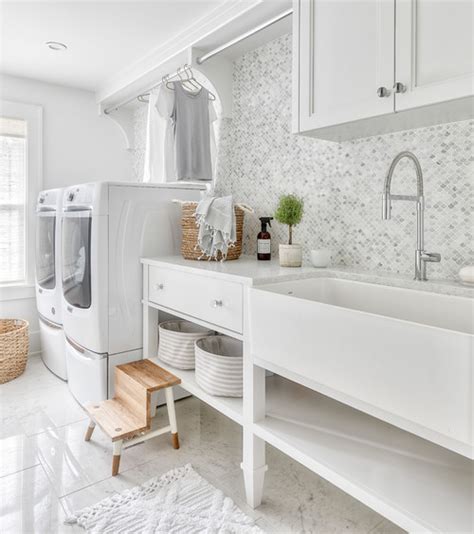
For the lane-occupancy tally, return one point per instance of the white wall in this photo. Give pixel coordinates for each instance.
(78, 146)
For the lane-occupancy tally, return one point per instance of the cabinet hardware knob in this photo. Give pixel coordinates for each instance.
(383, 92)
(159, 286)
(400, 87)
(216, 303)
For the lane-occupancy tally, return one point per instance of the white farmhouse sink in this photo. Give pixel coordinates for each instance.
(401, 355)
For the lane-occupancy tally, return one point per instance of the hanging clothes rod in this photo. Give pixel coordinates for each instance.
(165, 79)
(200, 60)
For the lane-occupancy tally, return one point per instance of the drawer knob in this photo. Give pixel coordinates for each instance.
(217, 303)
(159, 287)
(399, 87)
(383, 92)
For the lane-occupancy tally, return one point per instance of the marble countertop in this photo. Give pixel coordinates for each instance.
(249, 271)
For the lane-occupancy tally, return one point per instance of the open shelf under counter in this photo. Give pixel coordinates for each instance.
(229, 406)
(413, 482)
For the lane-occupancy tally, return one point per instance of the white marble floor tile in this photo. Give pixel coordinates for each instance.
(32, 404)
(28, 503)
(17, 453)
(72, 473)
(73, 464)
(36, 376)
(297, 500)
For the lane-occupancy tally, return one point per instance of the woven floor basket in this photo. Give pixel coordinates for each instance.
(189, 244)
(13, 348)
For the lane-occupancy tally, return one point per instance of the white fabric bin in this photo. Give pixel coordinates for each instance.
(176, 342)
(219, 366)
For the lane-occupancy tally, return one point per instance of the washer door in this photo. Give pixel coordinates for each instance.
(84, 271)
(87, 373)
(76, 259)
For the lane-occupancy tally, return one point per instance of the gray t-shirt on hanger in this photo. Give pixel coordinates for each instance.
(192, 134)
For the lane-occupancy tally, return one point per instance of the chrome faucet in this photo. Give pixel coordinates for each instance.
(421, 257)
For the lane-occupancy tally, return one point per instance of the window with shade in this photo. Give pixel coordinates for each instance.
(21, 134)
(13, 200)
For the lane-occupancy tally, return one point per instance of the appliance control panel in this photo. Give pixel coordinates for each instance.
(79, 196)
(49, 200)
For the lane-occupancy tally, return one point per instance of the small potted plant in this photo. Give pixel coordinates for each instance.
(290, 211)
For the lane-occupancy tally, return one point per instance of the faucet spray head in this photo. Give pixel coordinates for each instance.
(386, 207)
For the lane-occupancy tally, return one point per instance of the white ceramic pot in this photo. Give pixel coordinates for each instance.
(466, 274)
(320, 257)
(291, 255)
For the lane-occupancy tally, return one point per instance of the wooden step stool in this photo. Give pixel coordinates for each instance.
(127, 417)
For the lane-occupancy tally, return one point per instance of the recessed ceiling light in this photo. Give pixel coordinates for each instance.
(56, 46)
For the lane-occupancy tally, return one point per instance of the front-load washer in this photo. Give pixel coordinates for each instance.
(106, 228)
(48, 280)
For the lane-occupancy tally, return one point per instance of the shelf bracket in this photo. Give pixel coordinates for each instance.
(123, 118)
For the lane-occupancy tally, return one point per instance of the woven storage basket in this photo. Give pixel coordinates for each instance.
(13, 348)
(177, 340)
(189, 245)
(219, 366)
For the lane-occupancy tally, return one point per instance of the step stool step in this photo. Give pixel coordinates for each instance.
(116, 420)
(149, 375)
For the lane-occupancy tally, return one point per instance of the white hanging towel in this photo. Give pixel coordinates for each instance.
(217, 227)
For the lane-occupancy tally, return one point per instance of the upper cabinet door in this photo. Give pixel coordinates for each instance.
(434, 51)
(344, 61)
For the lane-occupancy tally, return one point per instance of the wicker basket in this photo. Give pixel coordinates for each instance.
(13, 348)
(189, 245)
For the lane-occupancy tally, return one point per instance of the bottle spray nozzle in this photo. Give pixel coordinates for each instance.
(265, 221)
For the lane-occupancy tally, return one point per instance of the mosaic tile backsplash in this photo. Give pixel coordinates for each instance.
(340, 183)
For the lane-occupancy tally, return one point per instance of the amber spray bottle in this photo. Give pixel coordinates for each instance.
(264, 240)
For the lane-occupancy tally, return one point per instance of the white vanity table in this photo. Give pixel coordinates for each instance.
(416, 483)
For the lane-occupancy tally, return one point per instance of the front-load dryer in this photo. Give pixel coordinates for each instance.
(48, 280)
(107, 227)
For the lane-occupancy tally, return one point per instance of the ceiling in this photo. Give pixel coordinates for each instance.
(103, 37)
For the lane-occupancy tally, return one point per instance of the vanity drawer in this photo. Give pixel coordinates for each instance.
(216, 301)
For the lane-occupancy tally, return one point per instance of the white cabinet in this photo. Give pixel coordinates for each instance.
(372, 66)
(346, 53)
(434, 51)
(218, 302)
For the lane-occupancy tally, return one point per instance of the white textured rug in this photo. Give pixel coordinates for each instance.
(180, 501)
